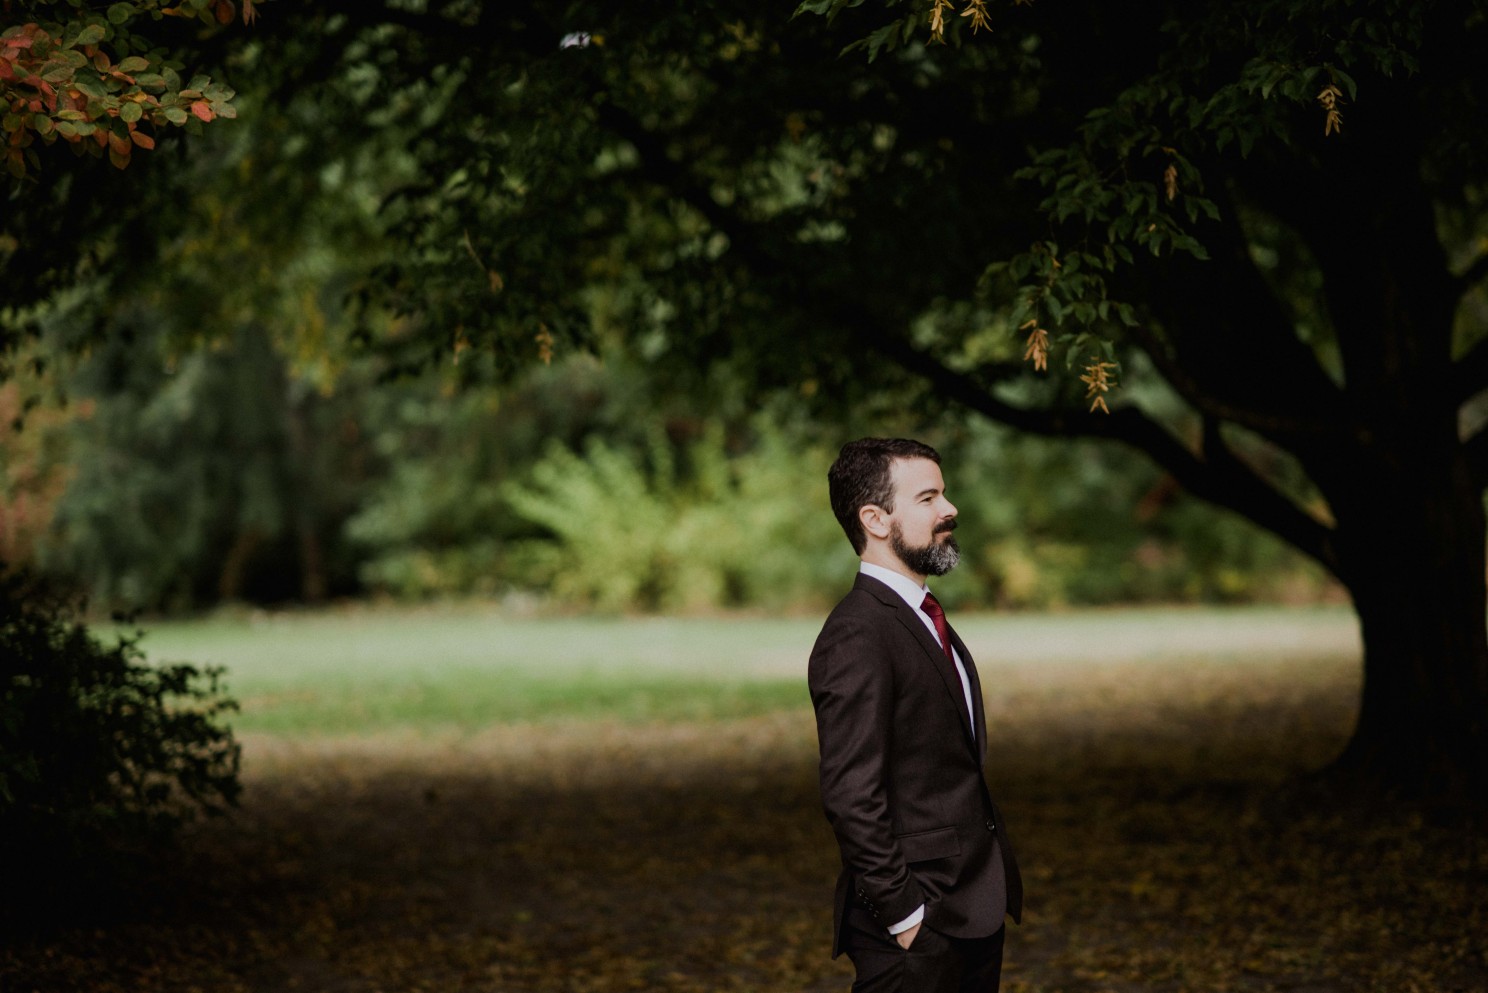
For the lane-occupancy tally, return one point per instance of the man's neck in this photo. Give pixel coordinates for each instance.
(884, 558)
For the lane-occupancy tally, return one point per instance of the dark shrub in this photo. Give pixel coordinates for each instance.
(102, 757)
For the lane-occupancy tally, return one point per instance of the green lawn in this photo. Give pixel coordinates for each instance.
(365, 669)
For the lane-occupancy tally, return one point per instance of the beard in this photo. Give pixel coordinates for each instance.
(934, 559)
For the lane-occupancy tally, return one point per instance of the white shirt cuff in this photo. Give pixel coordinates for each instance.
(910, 921)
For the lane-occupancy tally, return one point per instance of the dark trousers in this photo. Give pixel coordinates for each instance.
(934, 963)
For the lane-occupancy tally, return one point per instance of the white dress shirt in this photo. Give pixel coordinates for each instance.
(914, 594)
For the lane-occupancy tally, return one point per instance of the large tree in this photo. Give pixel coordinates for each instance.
(1270, 213)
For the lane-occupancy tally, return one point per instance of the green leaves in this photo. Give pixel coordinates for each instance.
(62, 74)
(90, 86)
(886, 38)
(90, 35)
(827, 8)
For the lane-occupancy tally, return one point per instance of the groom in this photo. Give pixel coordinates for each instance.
(927, 871)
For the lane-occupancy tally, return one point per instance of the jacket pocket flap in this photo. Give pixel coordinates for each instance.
(922, 846)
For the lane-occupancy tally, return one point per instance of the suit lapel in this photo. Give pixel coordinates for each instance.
(906, 615)
(979, 715)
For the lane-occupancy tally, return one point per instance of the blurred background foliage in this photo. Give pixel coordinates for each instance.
(171, 481)
(203, 423)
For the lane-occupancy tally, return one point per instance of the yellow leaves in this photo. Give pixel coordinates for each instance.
(795, 126)
(1037, 350)
(544, 339)
(1170, 174)
(937, 19)
(975, 9)
(1098, 382)
(1331, 98)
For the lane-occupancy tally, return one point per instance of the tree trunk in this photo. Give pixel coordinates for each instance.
(234, 572)
(313, 584)
(1411, 551)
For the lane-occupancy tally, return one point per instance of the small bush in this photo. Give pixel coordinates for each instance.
(709, 529)
(101, 756)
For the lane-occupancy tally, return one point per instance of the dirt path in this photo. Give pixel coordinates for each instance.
(1161, 850)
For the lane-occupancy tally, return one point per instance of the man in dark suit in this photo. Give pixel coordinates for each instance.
(928, 874)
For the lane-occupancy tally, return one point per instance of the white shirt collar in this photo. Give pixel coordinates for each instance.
(914, 594)
(911, 592)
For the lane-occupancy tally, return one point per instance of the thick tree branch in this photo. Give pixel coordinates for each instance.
(1190, 389)
(1389, 290)
(1472, 275)
(1470, 373)
(1215, 475)
(1475, 451)
(1230, 347)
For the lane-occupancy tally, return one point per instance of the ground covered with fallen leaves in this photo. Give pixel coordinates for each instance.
(1168, 837)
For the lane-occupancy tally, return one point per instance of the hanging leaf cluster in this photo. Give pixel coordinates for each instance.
(85, 76)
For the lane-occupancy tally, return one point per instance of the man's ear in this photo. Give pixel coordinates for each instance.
(874, 519)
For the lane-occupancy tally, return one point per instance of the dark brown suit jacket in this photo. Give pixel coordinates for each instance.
(902, 774)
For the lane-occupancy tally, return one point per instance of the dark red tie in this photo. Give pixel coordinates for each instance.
(931, 606)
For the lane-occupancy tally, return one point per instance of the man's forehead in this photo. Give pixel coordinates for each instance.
(917, 475)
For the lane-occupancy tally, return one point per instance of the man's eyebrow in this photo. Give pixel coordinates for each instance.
(931, 491)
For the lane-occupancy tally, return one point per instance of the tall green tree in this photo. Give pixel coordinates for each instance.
(1274, 208)
(1278, 207)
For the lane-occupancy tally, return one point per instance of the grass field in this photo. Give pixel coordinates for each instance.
(365, 670)
(459, 801)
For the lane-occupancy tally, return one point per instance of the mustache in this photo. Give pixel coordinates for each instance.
(946, 526)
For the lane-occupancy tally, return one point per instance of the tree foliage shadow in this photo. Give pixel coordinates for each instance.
(1180, 850)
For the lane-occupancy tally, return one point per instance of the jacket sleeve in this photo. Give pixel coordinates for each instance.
(852, 689)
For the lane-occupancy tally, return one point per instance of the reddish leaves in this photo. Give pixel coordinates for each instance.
(59, 82)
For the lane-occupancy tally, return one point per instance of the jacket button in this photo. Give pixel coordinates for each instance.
(990, 825)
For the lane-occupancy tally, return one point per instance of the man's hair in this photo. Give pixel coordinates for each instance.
(864, 474)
